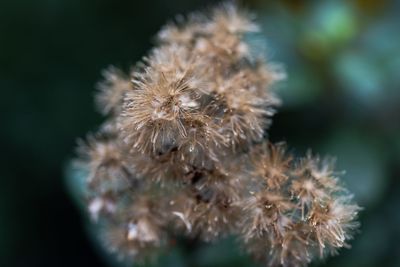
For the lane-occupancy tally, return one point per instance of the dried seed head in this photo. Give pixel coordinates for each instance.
(108, 168)
(111, 91)
(135, 229)
(271, 164)
(182, 152)
(199, 89)
(157, 111)
(333, 224)
(303, 215)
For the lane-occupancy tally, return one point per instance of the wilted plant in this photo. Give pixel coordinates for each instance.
(184, 151)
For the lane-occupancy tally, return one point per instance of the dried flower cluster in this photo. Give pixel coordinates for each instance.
(183, 151)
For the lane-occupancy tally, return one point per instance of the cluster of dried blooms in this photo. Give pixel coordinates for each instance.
(183, 151)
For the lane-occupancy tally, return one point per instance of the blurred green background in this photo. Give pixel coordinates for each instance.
(342, 98)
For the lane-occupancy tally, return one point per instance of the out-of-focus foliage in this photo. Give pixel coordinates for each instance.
(342, 97)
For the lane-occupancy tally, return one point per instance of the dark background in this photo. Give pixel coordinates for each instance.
(342, 97)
